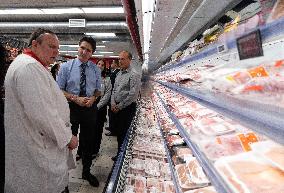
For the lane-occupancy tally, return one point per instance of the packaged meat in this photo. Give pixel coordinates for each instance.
(152, 168)
(129, 189)
(214, 126)
(202, 113)
(174, 140)
(196, 172)
(247, 172)
(169, 187)
(140, 184)
(228, 145)
(165, 171)
(183, 153)
(209, 189)
(186, 123)
(271, 151)
(137, 166)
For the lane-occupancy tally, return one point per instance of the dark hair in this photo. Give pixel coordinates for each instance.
(90, 40)
(53, 70)
(102, 61)
(37, 35)
(116, 61)
(104, 73)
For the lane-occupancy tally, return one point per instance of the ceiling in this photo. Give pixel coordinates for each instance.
(21, 26)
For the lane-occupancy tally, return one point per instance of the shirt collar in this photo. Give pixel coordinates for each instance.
(126, 70)
(80, 62)
(29, 52)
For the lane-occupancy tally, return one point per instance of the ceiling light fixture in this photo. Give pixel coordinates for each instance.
(21, 11)
(114, 56)
(101, 46)
(62, 11)
(103, 10)
(105, 52)
(72, 46)
(101, 34)
(68, 51)
(98, 55)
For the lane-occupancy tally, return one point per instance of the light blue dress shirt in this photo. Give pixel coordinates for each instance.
(69, 77)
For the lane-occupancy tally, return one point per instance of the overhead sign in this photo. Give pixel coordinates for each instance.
(77, 23)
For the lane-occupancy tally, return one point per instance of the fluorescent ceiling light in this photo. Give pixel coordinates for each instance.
(105, 52)
(62, 11)
(21, 11)
(114, 56)
(98, 55)
(72, 46)
(101, 46)
(101, 34)
(68, 51)
(103, 10)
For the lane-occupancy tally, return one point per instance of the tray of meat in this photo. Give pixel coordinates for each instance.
(202, 113)
(140, 185)
(174, 140)
(272, 152)
(165, 171)
(213, 126)
(196, 172)
(186, 123)
(228, 145)
(137, 166)
(152, 168)
(247, 172)
(183, 153)
(209, 189)
(154, 184)
(169, 187)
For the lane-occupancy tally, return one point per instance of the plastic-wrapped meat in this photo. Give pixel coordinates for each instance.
(129, 189)
(154, 185)
(186, 123)
(202, 113)
(174, 140)
(165, 171)
(214, 126)
(183, 178)
(152, 168)
(169, 187)
(196, 172)
(249, 173)
(140, 184)
(209, 189)
(137, 166)
(183, 152)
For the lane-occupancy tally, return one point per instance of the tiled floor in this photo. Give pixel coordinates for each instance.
(101, 168)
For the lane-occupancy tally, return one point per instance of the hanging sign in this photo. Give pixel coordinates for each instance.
(250, 45)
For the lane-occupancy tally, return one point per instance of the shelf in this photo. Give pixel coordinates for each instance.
(268, 33)
(263, 118)
(216, 180)
(174, 175)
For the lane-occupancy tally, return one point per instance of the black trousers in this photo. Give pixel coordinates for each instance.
(111, 117)
(102, 112)
(123, 119)
(2, 148)
(85, 118)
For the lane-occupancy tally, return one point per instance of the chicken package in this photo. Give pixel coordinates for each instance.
(184, 177)
(169, 187)
(183, 153)
(202, 113)
(196, 173)
(270, 151)
(152, 168)
(137, 166)
(140, 185)
(166, 171)
(129, 189)
(212, 126)
(186, 123)
(228, 144)
(174, 140)
(209, 189)
(248, 173)
(155, 184)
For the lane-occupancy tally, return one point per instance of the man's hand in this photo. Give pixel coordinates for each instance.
(73, 143)
(81, 101)
(90, 101)
(114, 108)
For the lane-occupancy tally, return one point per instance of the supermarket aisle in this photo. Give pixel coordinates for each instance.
(101, 168)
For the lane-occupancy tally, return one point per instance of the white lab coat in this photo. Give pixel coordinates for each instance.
(37, 130)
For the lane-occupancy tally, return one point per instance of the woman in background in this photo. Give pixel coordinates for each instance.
(102, 106)
(3, 70)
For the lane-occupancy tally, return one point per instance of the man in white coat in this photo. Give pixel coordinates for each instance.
(37, 124)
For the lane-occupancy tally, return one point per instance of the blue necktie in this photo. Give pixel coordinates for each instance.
(83, 80)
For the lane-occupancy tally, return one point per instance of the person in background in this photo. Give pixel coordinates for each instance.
(102, 106)
(80, 81)
(37, 123)
(123, 99)
(3, 69)
(114, 70)
(54, 70)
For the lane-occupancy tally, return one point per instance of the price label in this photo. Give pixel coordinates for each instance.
(222, 48)
(250, 45)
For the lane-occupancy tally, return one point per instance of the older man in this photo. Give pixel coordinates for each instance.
(123, 99)
(37, 127)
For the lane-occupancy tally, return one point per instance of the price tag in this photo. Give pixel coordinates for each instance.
(250, 45)
(222, 48)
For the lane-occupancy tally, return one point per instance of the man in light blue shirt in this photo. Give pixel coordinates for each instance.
(80, 81)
